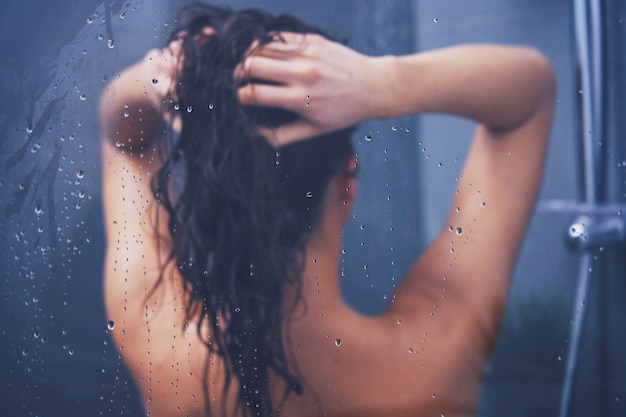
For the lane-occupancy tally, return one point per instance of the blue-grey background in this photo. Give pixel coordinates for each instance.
(56, 358)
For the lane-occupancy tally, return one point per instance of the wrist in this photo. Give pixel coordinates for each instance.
(387, 94)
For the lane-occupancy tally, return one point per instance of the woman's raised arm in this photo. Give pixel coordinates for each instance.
(136, 105)
(508, 91)
(332, 86)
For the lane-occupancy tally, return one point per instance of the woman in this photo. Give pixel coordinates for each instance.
(224, 236)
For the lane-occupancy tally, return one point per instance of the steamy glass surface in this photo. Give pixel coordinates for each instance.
(57, 356)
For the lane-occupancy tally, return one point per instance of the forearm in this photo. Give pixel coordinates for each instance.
(497, 86)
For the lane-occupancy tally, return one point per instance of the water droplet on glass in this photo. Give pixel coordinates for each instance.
(368, 138)
(118, 144)
(176, 106)
(38, 210)
(80, 174)
(483, 204)
(89, 19)
(435, 19)
(100, 37)
(110, 44)
(434, 396)
(126, 114)
(29, 129)
(71, 352)
(309, 194)
(155, 81)
(83, 97)
(111, 325)
(122, 15)
(189, 109)
(394, 128)
(459, 231)
(211, 106)
(337, 342)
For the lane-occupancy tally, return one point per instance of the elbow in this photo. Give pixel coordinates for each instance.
(545, 81)
(540, 83)
(532, 90)
(105, 112)
(111, 107)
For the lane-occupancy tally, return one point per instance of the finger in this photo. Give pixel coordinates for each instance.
(282, 44)
(267, 96)
(206, 33)
(285, 40)
(293, 132)
(288, 134)
(261, 68)
(175, 47)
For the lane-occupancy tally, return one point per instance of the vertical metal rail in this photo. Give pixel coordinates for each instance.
(588, 34)
(578, 318)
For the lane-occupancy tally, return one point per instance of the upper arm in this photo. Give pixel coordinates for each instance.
(134, 118)
(468, 266)
(132, 129)
(134, 107)
(490, 214)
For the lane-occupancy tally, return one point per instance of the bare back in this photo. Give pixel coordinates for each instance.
(427, 353)
(399, 363)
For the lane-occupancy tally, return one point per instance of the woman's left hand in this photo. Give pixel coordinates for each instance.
(328, 84)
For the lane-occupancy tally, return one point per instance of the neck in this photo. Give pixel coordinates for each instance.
(322, 263)
(320, 283)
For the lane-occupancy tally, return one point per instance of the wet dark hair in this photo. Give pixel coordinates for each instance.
(240, 211)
